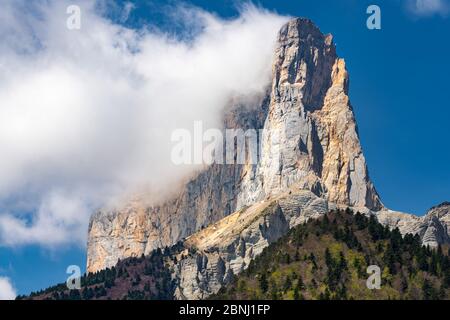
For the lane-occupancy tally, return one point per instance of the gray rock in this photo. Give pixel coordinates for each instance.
(311, 143)
(228, 246)
(432, 227)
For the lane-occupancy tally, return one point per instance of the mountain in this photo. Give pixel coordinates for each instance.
(311, 163)
(324, 258)
(328, 259)
(432, 227)
(311, 143)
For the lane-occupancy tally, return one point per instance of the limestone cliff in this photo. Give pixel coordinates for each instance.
(227, 247)
(312, 140)
(310, 143)
(432, 227)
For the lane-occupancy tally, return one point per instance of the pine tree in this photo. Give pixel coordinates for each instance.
(296, 294)
(427, 290)
(298, 288)
(361, 221)
(263, 283)
(74, 295)
(328, 259)
(422, 260)
(342, 262)
(297, 256)
(287, 284)
(446, 281)
(274, 291)
(325, 295)
(325, 223)
(300, 283)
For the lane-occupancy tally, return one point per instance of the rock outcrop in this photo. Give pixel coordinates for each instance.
(227, 247)
(442, 212)
(310, 142)
(136, 229)
(432, 227)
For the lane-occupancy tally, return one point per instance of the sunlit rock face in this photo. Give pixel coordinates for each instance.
(227, 246)
(310, 143)
(432, 228)
(312, 140)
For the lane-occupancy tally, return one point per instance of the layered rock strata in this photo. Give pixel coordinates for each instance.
(310, 142)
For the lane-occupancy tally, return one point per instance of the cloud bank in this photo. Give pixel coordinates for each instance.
(7, 291)
(86, 115)
(425, 8)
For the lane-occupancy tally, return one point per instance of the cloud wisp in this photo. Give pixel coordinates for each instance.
(86, 115)
(7, 291)
(427, 8)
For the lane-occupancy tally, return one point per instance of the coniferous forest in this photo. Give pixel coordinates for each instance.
(322, 259)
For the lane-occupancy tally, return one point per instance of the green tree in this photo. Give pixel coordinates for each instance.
(428, 290)
(263, 283)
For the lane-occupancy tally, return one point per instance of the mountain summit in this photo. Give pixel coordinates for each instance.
(311, 160)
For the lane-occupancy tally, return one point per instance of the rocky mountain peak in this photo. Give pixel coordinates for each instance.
(301, 28)
(312, 138)
(304, 58)
(310, 143)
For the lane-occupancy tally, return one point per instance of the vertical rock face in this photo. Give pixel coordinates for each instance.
(310, 141)
(310, 137)
(136, 229)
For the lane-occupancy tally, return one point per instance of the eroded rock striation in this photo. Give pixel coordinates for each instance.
(227, 247)
(310, 143)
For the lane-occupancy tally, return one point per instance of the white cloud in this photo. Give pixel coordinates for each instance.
(86, 115)
(127, 8)
(7, 291)
(429, 7)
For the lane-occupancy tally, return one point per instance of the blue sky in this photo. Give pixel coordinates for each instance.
(399, 88)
